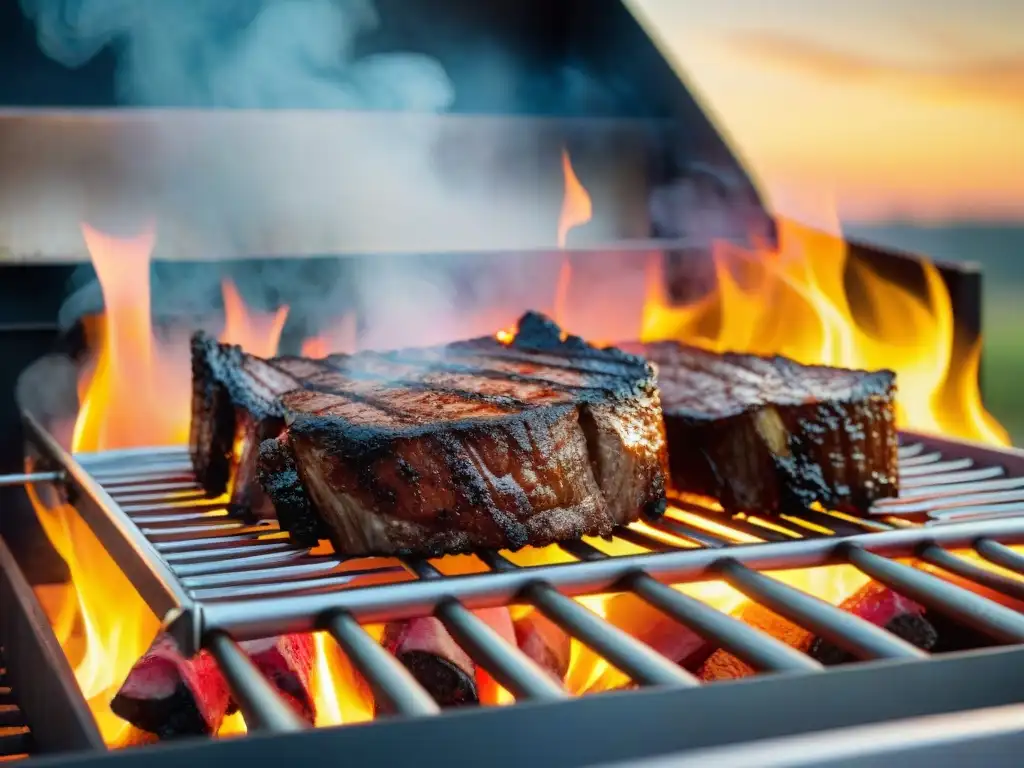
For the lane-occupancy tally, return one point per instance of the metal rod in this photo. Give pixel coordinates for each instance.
(281, 572)
(934, 468)
(130, 549)
(851, 633)
(239, 563)
(261, 704)
(643, 664)
(919, 460)
(513, 669)
(392, 684)
(27, 478)
(1000, 554)
(48, 695)
(909, 451)
(986, 616)
(760, 650)
(296, 587)
(408, 599)
(923, 484)
(955, 564)
(220, 554)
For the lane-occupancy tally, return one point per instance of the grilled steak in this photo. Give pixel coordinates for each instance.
(766, 433)
(235, 406)
(437, 450)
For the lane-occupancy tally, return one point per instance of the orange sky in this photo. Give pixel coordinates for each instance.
(891, 108)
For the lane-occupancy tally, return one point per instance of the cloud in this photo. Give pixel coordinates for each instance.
(995, 79)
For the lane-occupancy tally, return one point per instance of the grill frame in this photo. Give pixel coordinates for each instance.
(218, 624)
(38, 672)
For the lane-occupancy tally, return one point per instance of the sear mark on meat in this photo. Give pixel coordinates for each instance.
(476, 444)
(768, 434)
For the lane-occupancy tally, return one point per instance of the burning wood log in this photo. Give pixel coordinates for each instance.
(287, 662)
(884, 608)
(668, 637)
(433, 657)
(169, 695)
(440, 665)
(873, 602)
(545, 642)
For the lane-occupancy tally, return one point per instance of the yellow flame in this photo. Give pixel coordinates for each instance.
(795, 301)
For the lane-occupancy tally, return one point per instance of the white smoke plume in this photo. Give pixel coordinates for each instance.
(256, 54)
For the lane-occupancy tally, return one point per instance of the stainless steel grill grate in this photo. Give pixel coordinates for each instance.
(15, 738)
(217, 579)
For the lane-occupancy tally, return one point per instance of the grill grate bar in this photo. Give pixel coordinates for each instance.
(952, 489)
(512, 668)
(909, 451)
(851, 633)
(920, 459)
(642, 663)
(955, 564)
(990, 618)
(211, 544)
(935, 468)
(989, 511)
(283, 571)
(392, 684)
(931, 483)
(226, 552)
(261, 705)
(241, 562)
(1000, 554)
(282, 588)
(758, 649)
(248, 580)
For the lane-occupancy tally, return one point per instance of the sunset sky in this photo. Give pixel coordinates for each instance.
(891, 108)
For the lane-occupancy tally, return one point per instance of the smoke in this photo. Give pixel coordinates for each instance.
(298, 141)
(256, 54)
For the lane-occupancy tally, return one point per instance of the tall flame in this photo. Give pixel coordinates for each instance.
(577, 209)
(794, 301)
(255, 332)
(135, 395)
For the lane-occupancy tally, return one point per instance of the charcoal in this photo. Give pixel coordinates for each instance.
(545, 642)
(171, 696)
(433, 657)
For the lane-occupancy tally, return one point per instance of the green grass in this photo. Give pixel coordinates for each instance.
(1002, 361)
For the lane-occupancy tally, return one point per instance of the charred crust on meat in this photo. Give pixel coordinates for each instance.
(446, 449)
(768, 434)
(278, 476)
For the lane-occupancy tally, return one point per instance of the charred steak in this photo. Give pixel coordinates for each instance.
(766, 433)
(438, 450)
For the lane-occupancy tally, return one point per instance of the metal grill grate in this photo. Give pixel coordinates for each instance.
(218, 579)
(15, 738)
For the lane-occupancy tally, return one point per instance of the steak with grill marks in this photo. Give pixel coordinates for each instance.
(437, 450)
(766, 433)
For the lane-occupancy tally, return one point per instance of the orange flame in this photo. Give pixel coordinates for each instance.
(338, 340)
(577, 209)
(255, 332)
(134, 395)
(794, 301)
